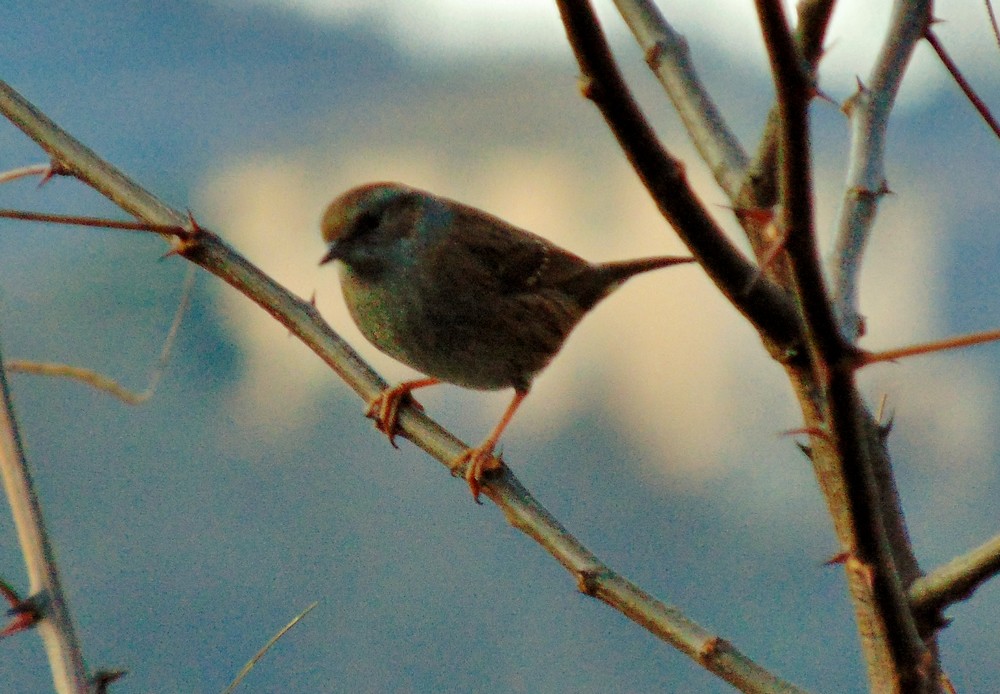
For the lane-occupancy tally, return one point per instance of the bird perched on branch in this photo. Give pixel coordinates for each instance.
(460, 295)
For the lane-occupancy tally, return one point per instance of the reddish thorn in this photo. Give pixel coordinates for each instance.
(653, 56)
(56, 168)
(25, 613)
(808, 431)
(761, 215)
(839, 558)
(709, 648)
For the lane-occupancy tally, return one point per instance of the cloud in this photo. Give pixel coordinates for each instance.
(455, 30)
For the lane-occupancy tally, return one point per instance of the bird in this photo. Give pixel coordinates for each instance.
(461, 296)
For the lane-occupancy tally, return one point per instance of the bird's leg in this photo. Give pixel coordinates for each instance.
(480, 459)
(384, 407)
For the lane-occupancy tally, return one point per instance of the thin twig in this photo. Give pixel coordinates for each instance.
(266, 647)
(24, 172)
(92, 378)
(102, 382)
(956, 74)
(993, 21)
(96, 222)
(947, 343)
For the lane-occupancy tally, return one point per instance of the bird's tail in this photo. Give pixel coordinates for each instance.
(616, 273)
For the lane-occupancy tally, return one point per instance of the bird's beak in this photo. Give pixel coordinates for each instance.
(332, 254)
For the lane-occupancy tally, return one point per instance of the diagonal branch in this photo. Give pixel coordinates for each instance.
(204, 248)
(669, 58)
(69, 673)
(977, 103)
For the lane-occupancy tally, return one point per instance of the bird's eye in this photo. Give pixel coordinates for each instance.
(366, 223)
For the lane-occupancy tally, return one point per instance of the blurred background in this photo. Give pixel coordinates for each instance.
(192, 528)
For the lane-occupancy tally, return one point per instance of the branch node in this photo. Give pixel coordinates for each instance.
(588, 581)
(863, 571)
(712, 648)
(654, 54)
(56, 168)
(588, 87)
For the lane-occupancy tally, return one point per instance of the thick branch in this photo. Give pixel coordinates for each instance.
(869, 111)
(760, 189)
(897, 658)
(794, 92)
(301, 318)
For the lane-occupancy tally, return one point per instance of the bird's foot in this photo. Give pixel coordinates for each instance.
(384, 409)
(479, 463)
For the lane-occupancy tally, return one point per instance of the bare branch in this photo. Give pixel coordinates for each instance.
(69, 673)
(958, 579)
(898, 660)
(869, 111)
(794, 89)
(669, 58)
(760, 189)
(977, 103)
(947, 343)
(96, 222)
(993, 21)
(102, 382)
(24, 172)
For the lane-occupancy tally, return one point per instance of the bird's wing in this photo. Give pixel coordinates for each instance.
(510, 260)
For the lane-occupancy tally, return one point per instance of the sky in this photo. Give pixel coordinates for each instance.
(189, 530)
(450, 30)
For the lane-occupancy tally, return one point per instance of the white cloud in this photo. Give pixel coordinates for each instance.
(436, 30)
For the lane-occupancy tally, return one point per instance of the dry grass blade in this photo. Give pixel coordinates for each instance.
(267, 646)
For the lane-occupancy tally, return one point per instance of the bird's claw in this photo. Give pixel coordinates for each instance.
(384, 410)
(479, 462)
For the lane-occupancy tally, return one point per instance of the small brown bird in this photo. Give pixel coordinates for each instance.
(459, 295)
